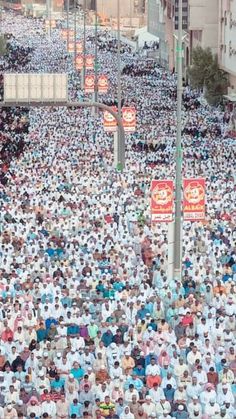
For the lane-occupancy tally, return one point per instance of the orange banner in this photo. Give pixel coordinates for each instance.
(51, 24)
(109, 122)
(89, 84)
(79, 62)
(194, 199)
(89, 62)
(71, 47)
(102, 84)
(64, 34)
(79, 47)
(129, 119)
(162, 192)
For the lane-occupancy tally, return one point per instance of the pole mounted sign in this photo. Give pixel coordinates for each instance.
(162, 201)
(41, 90)
(34, 87)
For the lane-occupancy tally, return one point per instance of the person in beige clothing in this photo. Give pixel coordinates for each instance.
(10, 412)
(62, 408)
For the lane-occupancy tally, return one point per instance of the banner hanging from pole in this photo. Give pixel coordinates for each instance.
(129, 119)
(194, 199)
(71, 47)
(89, 62)
(89, 83)
(109, 122)
(79, 47)
(162, 192)
(102, 84)
(79, 62)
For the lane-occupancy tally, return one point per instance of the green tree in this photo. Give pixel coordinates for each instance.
(216, 83)
(205, 74)
(3, 46)
(198, 72)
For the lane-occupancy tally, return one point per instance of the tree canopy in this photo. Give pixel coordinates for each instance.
(205, 74)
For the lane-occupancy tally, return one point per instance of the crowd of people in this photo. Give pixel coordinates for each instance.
(91, 324)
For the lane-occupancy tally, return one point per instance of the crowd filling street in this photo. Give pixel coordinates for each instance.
(91, 325)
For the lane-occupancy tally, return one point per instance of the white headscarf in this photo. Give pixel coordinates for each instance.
(127, 415)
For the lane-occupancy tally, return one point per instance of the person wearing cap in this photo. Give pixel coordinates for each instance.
(33, 406)
(194, 406)
(10, 412)
(152, 373)
(149, 406)
(180, 412)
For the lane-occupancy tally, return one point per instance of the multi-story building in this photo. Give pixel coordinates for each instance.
(227, 40)
(200, 25)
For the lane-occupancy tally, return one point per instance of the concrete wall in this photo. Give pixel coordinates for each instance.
(227, 39)
(203, 17)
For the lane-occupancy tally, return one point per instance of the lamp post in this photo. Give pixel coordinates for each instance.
(120, 144)
(67, 22)
(75, 30)
(96, 53)
(178, 178)
(84, 44)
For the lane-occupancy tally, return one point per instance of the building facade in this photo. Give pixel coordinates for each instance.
(227, 40)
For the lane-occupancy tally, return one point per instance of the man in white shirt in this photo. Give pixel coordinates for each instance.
(49, 407)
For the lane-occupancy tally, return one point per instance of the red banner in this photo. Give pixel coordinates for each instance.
(79, 62)
(89, 83)
(89, 62)
(109, 122)
(102, 84)
(64, 34)
(162, 200)
(129, 119)
(194, 199)
(79, 47)
(71, 47)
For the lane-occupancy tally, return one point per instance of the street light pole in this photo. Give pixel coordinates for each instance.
(75, 30)
(178, 178)
(96, 52)
(84, 44)
(120, 144)
(67, 22)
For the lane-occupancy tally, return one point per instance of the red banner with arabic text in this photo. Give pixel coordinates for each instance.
(109, 122)
(102, 84)
(162, 192)
(79, 62)
(194, 199)
(129, 119)
(79, 47)
(89, 62)
(89, 83)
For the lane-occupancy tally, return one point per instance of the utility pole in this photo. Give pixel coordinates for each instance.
(84, 45)
(67, 22)
(178, 178)
(75, 30)
(121, 152)
(96, 53)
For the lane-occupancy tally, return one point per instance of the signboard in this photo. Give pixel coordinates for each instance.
(194, 199)
(102, 84)
(89, 62)
(89, 83)
(129, 119)
(34, 87)
(162, 192)
(79, 62)
(109, 122)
